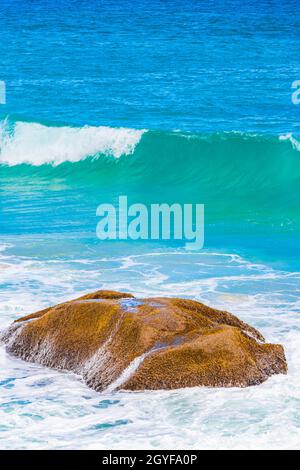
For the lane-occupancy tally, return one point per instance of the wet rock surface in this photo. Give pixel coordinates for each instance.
(114, 340)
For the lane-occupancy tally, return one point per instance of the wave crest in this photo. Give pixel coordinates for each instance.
(37, 144)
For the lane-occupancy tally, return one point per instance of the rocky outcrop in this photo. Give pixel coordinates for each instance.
(114, 340)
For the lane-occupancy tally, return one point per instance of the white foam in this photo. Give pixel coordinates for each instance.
(43, 408)
(36, 144)
(291, 139)
(128, 372)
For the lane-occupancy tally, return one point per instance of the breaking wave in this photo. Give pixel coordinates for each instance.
(237, 176)
(37, 144)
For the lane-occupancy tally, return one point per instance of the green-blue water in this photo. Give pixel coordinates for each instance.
(168, 101)
(248, 183)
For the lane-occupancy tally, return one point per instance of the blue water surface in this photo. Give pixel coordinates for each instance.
(211, 82)
(164, 64)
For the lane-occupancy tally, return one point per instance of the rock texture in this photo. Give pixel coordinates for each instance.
(114, 340)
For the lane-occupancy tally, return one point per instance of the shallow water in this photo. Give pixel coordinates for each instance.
(186, 102)
(41, 408)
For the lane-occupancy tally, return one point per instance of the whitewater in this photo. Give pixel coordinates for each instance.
(43, 408)
(162, 102)
(242, 178)
(50, 254)
(36, 144)
(52, 180)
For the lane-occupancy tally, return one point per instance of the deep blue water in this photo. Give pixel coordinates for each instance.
(189, 65)
(162, 101)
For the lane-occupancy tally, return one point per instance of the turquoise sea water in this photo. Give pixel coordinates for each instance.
(186, 102)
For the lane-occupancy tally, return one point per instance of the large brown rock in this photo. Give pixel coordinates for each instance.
(114, 340)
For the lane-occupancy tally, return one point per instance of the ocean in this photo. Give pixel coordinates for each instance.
(164, 102)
